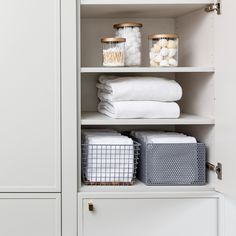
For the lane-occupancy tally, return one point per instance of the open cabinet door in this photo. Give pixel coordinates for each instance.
(225, 109)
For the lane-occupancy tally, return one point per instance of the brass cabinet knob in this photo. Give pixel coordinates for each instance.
(90, 206)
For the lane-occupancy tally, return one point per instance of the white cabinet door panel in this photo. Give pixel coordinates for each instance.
(151, 217)
(30, 96)
(30, 215)
(225, 108)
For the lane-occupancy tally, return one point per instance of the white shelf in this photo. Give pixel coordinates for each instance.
(138, 8)
(96, 118)
(147, 69)
(140, 187)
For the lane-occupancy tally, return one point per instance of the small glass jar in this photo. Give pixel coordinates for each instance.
(113, 51)
(132, 32)
(163, 50)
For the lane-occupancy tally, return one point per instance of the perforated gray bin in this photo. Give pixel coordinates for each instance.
(172, 164)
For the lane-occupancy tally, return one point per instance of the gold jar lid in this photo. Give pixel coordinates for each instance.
(113, 40)
(160, 36)
(127, 24)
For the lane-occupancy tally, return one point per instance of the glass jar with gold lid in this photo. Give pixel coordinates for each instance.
(113, 51)
(163, 50)
(131, 31)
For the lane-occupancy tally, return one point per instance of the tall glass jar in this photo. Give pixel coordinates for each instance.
(132, 32)
(113, 51)
(163, 50)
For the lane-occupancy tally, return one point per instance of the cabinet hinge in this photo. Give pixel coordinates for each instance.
(217, 169)
(213, 7)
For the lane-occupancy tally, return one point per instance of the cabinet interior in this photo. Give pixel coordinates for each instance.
(195, 28)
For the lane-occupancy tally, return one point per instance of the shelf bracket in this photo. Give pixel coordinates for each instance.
(217, 169)
(213, 7)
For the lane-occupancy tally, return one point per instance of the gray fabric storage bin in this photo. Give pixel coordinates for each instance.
(172, 164)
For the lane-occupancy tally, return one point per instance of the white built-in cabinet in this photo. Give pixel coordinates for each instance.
(30, 96)
(30, 118)
(146, 215)
(50, 59)
(206, 73)
(30, 214)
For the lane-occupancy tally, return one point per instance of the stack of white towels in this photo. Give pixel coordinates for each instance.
(109, 156)
(138, 97)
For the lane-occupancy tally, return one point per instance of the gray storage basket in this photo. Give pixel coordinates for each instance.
(172, 164)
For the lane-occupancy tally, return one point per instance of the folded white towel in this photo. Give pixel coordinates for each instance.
(140, 109)
(109, 149)
(111, 171)
(107, 165)
(163, 137)
(112, 88)
(96, 132)
(143, 134)
(172, 139)
(109, 177)
(108, 139)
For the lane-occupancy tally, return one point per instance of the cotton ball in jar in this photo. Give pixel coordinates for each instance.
(138, 58)
(164, 52)
(163, 43)
(153, 50)
(128, 30)
(164, 63)
(136, 29)
(172, 62)
(158, 58)
(153, 63)
(156, 47)
(135, 44)
(171, 44)
(132, 41)
(138, 40)
(137, 34)
(172, 52)
(132, 50)
(131, 37)
(128, 60)
(120, 31)
(128, 44)
(152, 55)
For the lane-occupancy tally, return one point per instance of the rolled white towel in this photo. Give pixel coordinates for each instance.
(113, 88)
(140, 109)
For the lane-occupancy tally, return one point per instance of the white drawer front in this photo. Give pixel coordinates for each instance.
(30, 215)
(151, 217)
